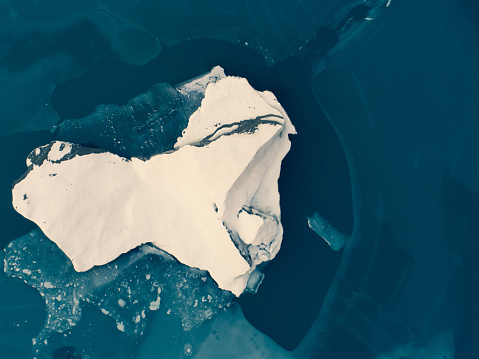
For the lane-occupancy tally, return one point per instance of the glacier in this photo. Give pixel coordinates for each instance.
(212, 202)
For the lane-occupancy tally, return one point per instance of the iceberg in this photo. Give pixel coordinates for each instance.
(212, 202)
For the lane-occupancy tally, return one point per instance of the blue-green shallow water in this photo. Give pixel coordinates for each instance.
(401, 93)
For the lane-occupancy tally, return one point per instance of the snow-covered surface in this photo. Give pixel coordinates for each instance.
(218, 109)
(196, 203)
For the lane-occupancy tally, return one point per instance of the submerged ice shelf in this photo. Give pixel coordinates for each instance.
(212, 203)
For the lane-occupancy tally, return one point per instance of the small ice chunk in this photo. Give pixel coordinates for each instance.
(120, 326)
(66, 292)
(335, 239)
(155, 305)
(48, 285)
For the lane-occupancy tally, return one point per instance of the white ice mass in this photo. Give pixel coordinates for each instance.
(213, 203)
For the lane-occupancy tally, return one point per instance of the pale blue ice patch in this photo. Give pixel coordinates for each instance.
(323, 228)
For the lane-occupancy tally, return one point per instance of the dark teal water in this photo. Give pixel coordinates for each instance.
(387, 150)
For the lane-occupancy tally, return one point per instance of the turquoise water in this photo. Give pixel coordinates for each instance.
(387, 120)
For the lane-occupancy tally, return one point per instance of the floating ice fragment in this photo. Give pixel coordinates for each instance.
(120, 327)
(335, 239)
(155, 305)
(188, 349)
